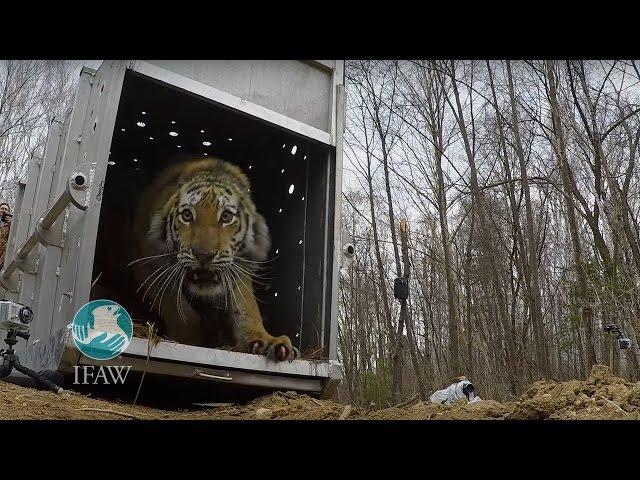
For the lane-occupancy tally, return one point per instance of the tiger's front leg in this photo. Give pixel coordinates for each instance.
(250, 333)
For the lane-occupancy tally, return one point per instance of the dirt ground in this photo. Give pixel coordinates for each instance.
(601, 396)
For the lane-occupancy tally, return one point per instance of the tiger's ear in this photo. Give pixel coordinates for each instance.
(258, 240)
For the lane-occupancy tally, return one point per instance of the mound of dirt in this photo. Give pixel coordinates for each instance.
(601, 396)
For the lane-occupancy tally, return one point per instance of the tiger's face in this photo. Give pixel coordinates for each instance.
(212, 225)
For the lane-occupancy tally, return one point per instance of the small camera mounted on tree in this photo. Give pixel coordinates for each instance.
(401, 288)
(624, 343)
(612, 329)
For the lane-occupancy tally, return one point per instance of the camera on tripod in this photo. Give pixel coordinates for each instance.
(15, 319)
(14, 316)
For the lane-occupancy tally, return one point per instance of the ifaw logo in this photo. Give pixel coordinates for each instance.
(101, 330)
(105, 375)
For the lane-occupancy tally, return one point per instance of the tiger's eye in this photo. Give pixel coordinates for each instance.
(226, 216)
(186, 216)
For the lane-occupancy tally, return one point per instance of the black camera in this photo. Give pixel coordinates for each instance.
(401, 288)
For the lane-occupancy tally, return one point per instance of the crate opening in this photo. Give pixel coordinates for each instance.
(156, 124)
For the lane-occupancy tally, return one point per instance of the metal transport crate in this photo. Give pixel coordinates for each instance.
(281, 122)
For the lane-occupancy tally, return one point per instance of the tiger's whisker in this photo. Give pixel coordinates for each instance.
(164, 286)
(158, 277)
(165, 266)
(150, 257)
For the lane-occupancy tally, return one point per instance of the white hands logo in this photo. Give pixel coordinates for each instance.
(105, 321)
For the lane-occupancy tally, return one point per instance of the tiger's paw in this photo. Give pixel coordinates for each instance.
(276, 348)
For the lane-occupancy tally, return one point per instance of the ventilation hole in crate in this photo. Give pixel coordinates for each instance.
(299, 242)
(206, 153)
(230, 139)
(282, 171)
(291, 189)
(294, 150)
(277, 251)
(206, 144)
(305, 157)
(173, 134)
(144, 113)
(173, 122)
(141, 124)
(150, 138)
(179, 146)
(123, 129)
(201, 131)
(283, 145)
(111, 162)
(303, 199)
(275, 294)
(249, 167)
(280, 211)
(135, 159)
(299, 287)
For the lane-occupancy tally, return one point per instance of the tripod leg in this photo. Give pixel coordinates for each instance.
(6, 360)
(38, 378)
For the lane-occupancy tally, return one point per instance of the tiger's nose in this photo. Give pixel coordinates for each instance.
(203, 256)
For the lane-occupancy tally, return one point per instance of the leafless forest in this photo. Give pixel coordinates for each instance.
(506, 191)
(32, 93)
(519, 184)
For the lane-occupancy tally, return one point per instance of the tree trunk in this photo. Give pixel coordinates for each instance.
(587, 311)
(542, 354)
(404, 313)
(486, 241)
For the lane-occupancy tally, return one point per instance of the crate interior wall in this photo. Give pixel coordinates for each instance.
(290, 182)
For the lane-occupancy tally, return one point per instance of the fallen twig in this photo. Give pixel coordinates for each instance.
(407, 402)
(345, 413)
(316, 402)
(114, 412)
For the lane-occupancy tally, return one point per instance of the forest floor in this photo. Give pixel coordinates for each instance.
(601, 396)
